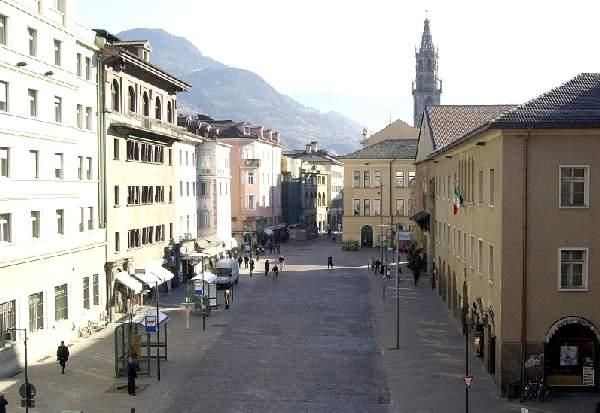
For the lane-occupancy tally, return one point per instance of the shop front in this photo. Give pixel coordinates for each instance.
(571, 354)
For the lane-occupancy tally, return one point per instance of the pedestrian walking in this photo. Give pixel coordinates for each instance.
(377, 265)
(278, 249)
(240, 260)
(388, 272)
(251, 266)
(62, 355)
(433, 279)
(266, 268)
(417, 275)
(281, 260)
(3, 403)
(275, 271)
(227, 295)
(131, 376)
(330, 262)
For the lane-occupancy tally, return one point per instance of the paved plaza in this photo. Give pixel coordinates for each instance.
(313, 340)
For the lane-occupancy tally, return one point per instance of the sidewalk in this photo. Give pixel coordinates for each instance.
(426, 375)
(89, 383)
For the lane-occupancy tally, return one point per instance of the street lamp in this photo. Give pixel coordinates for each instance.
(28, 397)
(158, 334)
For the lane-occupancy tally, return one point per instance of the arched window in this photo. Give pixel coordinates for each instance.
(420, 65)
(115, 95)
(146, 104)
(131, 99)
(429, 65)
(158, 109)
(169, 112)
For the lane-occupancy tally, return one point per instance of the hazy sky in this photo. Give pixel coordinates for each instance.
(357, 57)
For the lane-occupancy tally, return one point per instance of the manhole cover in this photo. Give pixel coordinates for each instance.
(122, 388)
(218, 325)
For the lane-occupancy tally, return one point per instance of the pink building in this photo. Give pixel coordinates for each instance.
(255, 176)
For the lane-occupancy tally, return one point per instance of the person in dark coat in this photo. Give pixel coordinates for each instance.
(330, 262)
(240, 260)
(3, 404)
(131, 376)
(377, 265)
(275, 270)
(417, 275)
(62, 355)
(251, 266)
(266, 268)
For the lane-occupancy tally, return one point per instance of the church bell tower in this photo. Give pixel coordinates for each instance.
(427, 87)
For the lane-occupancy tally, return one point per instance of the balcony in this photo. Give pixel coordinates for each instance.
(143, 125)
(251, 163)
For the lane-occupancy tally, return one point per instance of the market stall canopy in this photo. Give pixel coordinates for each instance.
(208, 278)
(141, 318)
(130, 282)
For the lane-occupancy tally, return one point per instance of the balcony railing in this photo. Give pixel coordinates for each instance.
(251, 163)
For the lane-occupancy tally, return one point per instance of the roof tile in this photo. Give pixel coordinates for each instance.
(388, 149)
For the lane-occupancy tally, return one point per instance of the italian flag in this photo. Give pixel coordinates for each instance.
(458, 200)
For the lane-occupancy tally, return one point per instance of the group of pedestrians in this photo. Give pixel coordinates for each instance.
(275, 268)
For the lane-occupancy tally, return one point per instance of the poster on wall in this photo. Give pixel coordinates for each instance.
(588, 375)
(568, 356)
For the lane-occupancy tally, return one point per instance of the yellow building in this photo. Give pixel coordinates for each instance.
(395, 130)
(517, 256)
(376, 190)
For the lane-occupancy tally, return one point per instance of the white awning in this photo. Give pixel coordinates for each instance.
(161, 273)
(131, 283)
(146, 276)
(208, 278)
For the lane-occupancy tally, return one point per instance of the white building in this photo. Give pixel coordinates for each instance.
(214, 195)
(185, 190)
(51, 246)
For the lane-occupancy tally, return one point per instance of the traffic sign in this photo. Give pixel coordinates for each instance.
(23, 392)
(150, 324)
(198, 287)
(468, 380)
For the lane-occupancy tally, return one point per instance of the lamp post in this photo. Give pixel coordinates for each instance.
(158, 334)
(27, 387)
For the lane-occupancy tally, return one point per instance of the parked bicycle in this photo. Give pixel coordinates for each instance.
(536, 390)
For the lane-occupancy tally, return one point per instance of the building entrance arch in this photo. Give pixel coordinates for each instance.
(366, 236)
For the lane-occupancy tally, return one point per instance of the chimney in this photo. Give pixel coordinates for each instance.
(275, 136)
(313, 146)
(308, 147)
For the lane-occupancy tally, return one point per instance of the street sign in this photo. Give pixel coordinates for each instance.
(25, 404)
(23, 392)
(468, 380)
(198, 287)
(403, 235)
(150, 324)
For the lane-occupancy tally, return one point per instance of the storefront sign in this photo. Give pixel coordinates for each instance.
(198, 287)
(150, 324)
(403, 235)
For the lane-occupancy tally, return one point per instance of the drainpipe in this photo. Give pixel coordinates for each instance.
(524, 260)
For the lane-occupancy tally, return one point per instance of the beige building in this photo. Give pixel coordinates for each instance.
(518, 256)
(376, 190)
(138, 169)
(395, 130)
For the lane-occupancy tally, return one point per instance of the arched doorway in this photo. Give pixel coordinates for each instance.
(366, 236)
(571, 353)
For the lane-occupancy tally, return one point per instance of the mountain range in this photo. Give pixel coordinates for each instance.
(225, 92)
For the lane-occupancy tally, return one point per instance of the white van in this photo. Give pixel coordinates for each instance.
(228, 272)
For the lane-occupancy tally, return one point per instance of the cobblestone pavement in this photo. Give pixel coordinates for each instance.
(313, 340)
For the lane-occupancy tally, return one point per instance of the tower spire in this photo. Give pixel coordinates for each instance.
(427, 87)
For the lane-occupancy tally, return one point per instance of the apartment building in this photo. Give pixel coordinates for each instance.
(143, 151)
(376, 190)
(255, 164)
(515, 258)
(51, 243)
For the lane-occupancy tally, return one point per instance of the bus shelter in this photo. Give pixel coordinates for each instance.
(132, 340)
(203, 288)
